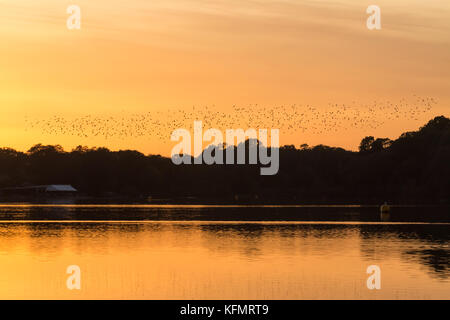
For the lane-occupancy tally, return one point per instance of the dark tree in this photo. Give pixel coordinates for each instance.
(413, 169)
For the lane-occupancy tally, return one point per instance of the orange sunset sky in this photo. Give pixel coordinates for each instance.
(157, 57)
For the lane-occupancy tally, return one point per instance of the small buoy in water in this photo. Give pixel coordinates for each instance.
(385, 208)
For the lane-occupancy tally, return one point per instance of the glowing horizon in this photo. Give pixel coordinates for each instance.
(159, 57)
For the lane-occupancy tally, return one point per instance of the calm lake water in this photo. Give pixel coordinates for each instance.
(201, 252)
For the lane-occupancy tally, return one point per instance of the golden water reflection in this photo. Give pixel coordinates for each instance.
(223, 260)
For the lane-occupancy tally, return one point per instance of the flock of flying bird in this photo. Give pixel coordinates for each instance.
(289, 119)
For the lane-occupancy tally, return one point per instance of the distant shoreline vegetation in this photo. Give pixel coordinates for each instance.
(411, 169)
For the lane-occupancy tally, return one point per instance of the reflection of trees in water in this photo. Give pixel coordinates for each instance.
(249, 239)
(382, 241)
(282, 229)
(40, 213)
(52, 238)
(257, 239)
(437, 259)
(238, 213)
(84, 213)
(416, 243)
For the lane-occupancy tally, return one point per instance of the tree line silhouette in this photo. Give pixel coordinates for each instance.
(411, 169)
